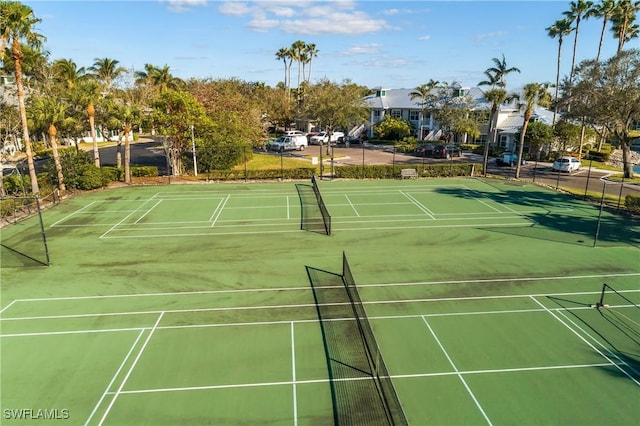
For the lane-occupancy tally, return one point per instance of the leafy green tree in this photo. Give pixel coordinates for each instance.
(335, 106)
(175, 112)
(568, 135)
(538, 136)
(454, 112)
(392, 128)
(606, 95)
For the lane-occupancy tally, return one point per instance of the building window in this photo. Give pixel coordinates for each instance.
(504, 141)
(376, 113)
(414, 115)
(396, 113)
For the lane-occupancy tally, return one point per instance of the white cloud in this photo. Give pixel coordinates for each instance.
(425, 38)
(184, 5)
(367, 49)
(494, 34)
(305, 17)
(234, 8)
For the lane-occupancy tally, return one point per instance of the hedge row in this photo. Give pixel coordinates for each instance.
(384, 171)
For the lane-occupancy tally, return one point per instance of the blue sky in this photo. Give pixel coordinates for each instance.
(392, 44)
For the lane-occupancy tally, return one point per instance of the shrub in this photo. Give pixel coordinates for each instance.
(601, 156)
(632, 203)
(16, 184)
(144, 171)
(90, 177)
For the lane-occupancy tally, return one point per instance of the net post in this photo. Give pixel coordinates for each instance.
(44, 235)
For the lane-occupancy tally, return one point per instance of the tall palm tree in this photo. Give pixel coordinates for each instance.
(67, 73)
(560, 29)
(282, 55)
(423, 92)
(163, 80)
(500, 70)
(312, 52)
(578, 10)
(497, 95)
(623, 22)
(298, 54)
(605, 10)
(17, 25)
(106, 70)
(533, 94)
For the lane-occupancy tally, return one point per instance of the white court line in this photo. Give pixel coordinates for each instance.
(350, 379)
(351, 204)
(72, 214)
(104, 394)
(299, 321)
(57, 333)
(8, 306)
(213, 215)
(453, 365)
(221, 207)
(148, 211)
(127, 216)
(133, 365)
(599, 343)
(293, 375)
(399, 284)
(418, 204)
(587, 342)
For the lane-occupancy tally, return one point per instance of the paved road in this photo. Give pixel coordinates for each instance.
(150, 152)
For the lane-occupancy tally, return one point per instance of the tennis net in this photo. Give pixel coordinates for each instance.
(326, 217)
(387, 393)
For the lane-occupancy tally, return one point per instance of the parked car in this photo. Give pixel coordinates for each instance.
(566, 164)
(509, 159)
(441, 151)
(425, 150)
(323, 137)
(454, 151)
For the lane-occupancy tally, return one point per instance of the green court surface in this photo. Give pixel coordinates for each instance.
(193, 305)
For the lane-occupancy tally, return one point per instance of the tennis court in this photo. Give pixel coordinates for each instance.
(210, 304)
